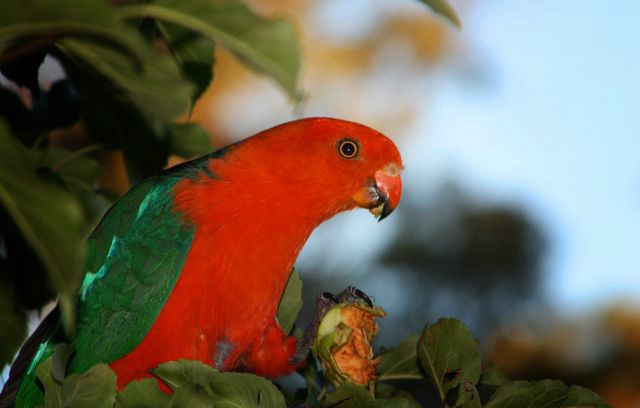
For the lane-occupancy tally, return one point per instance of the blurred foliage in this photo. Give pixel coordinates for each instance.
(601, 353)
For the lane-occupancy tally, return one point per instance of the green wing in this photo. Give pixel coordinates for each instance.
(135, 257)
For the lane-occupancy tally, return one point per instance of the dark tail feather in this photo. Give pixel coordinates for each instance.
(25, 356)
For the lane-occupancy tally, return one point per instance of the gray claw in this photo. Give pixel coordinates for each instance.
(329, 296)
(353, 292)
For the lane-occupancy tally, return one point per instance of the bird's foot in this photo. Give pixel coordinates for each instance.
(351, 292)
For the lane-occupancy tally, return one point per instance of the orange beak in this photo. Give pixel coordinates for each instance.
(382, 195)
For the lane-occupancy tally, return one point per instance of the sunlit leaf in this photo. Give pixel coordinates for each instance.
(268, 46)
(291, 302)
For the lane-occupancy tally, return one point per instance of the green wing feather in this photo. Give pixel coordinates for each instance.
(135, 256)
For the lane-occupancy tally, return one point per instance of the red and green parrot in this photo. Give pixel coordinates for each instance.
(192, 263)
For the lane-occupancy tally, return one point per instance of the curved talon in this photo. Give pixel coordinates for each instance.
(352, 291)
(329, 296)
(361, 295)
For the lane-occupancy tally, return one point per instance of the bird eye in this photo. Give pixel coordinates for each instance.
(348, 148)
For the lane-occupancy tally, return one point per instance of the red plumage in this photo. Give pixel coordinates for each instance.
(251, 220)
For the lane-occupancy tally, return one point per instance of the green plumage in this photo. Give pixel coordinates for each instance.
(143, 246)
(135, 256)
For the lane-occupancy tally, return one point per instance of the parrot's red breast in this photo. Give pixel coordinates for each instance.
(253, 209)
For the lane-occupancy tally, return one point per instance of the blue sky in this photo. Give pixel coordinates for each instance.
(558, 133)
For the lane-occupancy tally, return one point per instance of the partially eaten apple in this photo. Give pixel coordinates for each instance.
(343, 344)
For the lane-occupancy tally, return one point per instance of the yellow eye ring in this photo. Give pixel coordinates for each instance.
(348, 148)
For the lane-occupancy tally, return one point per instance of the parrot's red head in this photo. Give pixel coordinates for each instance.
(329, 163)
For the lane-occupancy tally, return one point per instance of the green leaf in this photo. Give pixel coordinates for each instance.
(464, 395)
(115, 121)
(267, 46)
(189, 140)
(387, 391)
(193, 53)
(48, 216)
(150, 81)
(493, 377)
(245, 390)
(53, 20)
(448, 354)
(443, 8)
(142, 394)
(401, 362)
(157, 91)
(193, 381)
(95, 387)
(396, 402)
(52, 388)
(59, 361)
(313, 379)
(349, 395)
(127, 103)
(191, 395)
(76, 170)
(178, 373)
(291, 302)
(543, 394)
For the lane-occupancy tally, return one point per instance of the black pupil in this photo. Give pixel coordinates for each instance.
(348, 149)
